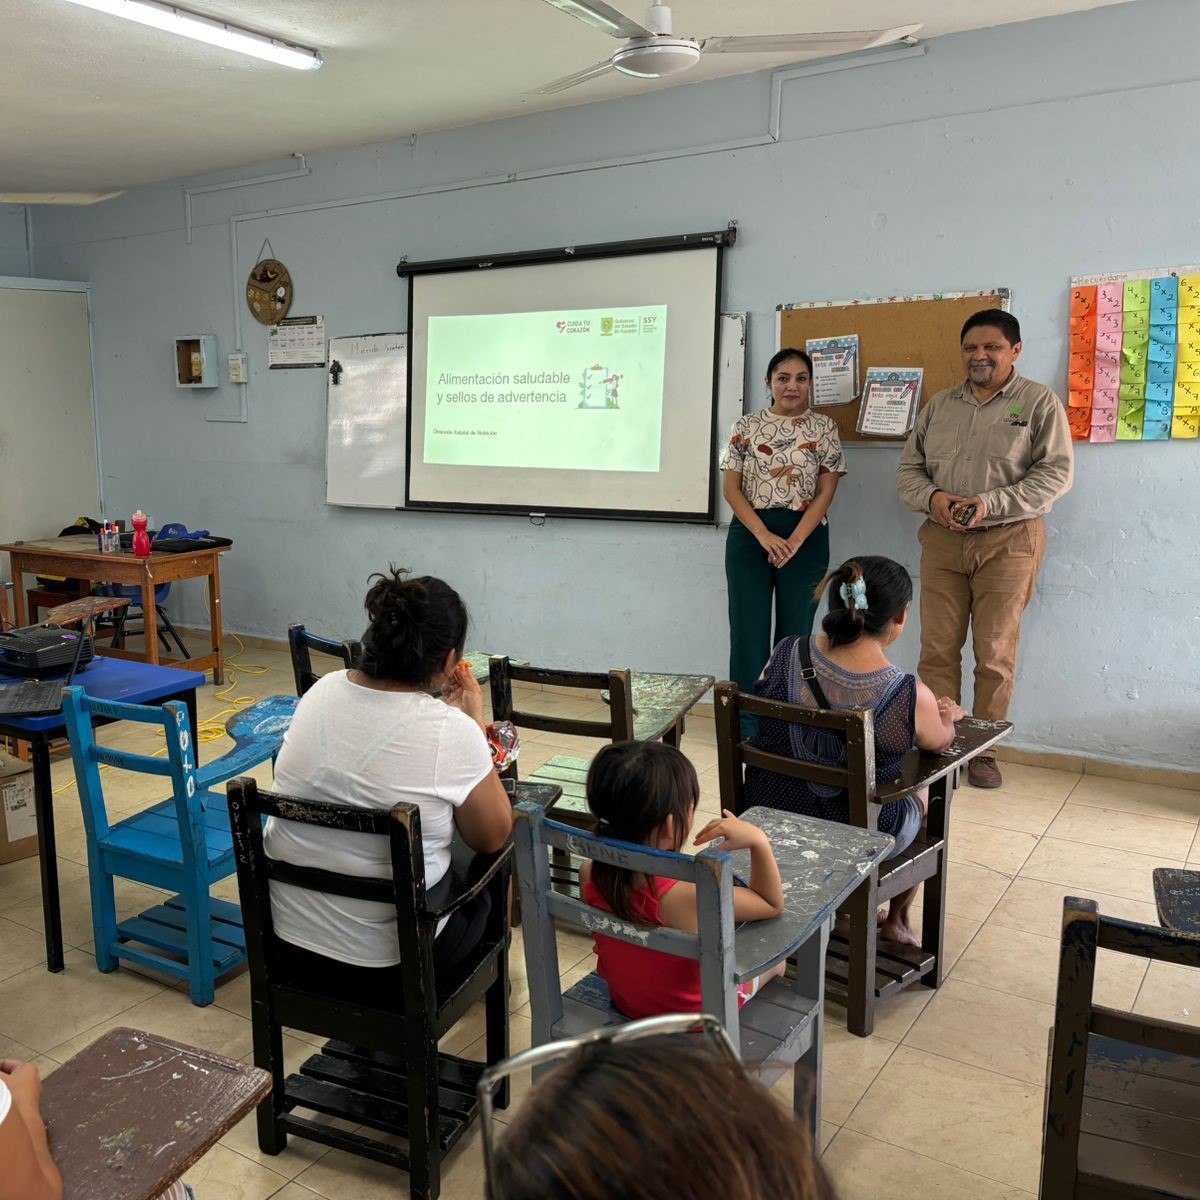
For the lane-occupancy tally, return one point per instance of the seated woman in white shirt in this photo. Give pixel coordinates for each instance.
(407, 725)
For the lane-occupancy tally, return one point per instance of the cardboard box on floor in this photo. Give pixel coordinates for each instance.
(18, 822)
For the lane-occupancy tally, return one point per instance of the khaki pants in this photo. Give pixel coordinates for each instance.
(985, 578)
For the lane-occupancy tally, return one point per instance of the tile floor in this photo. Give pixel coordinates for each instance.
(945, 1100)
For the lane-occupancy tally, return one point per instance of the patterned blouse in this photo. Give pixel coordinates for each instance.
(780, 458)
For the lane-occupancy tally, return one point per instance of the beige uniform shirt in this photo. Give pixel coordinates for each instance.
(1014, 452)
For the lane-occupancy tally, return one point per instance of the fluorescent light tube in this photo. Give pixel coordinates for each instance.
(205, 29)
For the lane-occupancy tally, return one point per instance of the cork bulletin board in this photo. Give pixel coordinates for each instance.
(895, 331)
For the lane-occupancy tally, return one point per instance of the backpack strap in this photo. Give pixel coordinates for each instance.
(809, 673)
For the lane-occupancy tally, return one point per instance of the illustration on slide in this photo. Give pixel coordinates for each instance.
(599, 387)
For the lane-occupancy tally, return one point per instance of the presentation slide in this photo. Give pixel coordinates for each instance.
(583, 384)
(573, 389)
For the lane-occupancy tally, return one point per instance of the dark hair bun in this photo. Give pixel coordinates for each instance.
(865, 595)
(415, 623)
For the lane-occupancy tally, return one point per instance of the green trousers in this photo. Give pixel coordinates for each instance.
(754, 583)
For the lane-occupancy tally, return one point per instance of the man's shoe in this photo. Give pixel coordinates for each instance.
(982, 772)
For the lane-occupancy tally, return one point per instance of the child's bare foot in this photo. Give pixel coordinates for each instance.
(898, 931)
(881, 914)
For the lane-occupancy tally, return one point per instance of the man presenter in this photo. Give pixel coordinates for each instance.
(986, 461)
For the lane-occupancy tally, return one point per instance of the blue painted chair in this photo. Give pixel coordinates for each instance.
(182, 844)
(780, 1027)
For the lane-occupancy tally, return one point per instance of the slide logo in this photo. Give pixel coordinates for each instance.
(575, 326)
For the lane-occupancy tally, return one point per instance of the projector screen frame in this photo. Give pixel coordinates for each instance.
(719, 240)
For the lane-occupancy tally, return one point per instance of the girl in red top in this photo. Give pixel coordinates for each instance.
(646, 793)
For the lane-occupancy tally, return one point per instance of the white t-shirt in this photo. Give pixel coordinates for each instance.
(355, 745)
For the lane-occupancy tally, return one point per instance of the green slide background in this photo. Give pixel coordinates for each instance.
(499, 432)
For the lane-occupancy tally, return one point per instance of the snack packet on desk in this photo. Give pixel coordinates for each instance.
(504, 743)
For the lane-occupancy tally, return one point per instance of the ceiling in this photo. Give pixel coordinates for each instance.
(90, 103)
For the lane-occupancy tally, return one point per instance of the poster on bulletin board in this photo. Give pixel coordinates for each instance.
(1133, 370)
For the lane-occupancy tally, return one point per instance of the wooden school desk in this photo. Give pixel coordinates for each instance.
(78, 558)
(130, 1114)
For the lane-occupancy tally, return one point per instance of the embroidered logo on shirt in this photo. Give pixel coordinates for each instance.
(1015, 418)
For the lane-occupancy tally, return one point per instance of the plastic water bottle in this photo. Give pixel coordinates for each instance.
(141, 539)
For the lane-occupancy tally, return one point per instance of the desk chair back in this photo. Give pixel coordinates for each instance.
(383, 1070)
(856, 778)
(301, 643)
(1123, 1108)
(587, 1006)
(564, 770)
(182, 844)
(777, 1028)
(861, 969)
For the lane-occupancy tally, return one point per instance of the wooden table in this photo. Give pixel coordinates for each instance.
(106, 679)
(78, 558)
(130, 1114)
(923, 768)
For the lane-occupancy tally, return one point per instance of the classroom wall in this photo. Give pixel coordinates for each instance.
(1015, 156)
(14, 259)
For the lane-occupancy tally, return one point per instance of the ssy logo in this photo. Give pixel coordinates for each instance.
(606, 326)
(560, 325)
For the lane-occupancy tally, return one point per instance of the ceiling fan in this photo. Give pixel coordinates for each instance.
(651, 50)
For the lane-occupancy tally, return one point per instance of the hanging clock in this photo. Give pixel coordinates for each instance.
(269, 291)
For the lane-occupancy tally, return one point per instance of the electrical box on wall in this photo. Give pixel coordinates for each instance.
(237, 367)
(196, 363)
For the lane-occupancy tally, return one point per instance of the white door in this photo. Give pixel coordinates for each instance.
(48, 470)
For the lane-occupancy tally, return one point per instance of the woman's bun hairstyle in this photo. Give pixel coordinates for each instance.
(414, 624)
(865, 595)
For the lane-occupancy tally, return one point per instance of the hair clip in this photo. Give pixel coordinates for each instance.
(854, 595)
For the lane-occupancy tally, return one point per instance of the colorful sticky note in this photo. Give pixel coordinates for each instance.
(1185, 424)
(1187, 370)
(1083, 326)
(1103, 398)
(1108, 342)
(1160, 352)
(1156, 431)
(1164, 334)
(1167, 315)
(1189, 347)
(1079, 420)
(1083, 301)
(1104, 433)
(1158, 410)
(1132, 391)
(1137, 294)
(1110, 297)
(1164, 292)
(1079, 399)
(1189, 290)
(1156, 389)
(1109, 322)
(1161, 372)
(1130, 419)
(1107, 371)
(1135, 322)
(1187, 394)
(1134, 354)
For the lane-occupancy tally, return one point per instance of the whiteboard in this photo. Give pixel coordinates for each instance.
(48, 468)
(731, 395)
(365, 452)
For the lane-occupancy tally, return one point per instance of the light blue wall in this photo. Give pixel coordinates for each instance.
(1015, 156)
(13, 257)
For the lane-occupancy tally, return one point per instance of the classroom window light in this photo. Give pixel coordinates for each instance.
(204, 29)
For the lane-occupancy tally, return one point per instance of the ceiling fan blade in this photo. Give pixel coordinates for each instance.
(809, 43)
(601, 16)
(570, 81)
